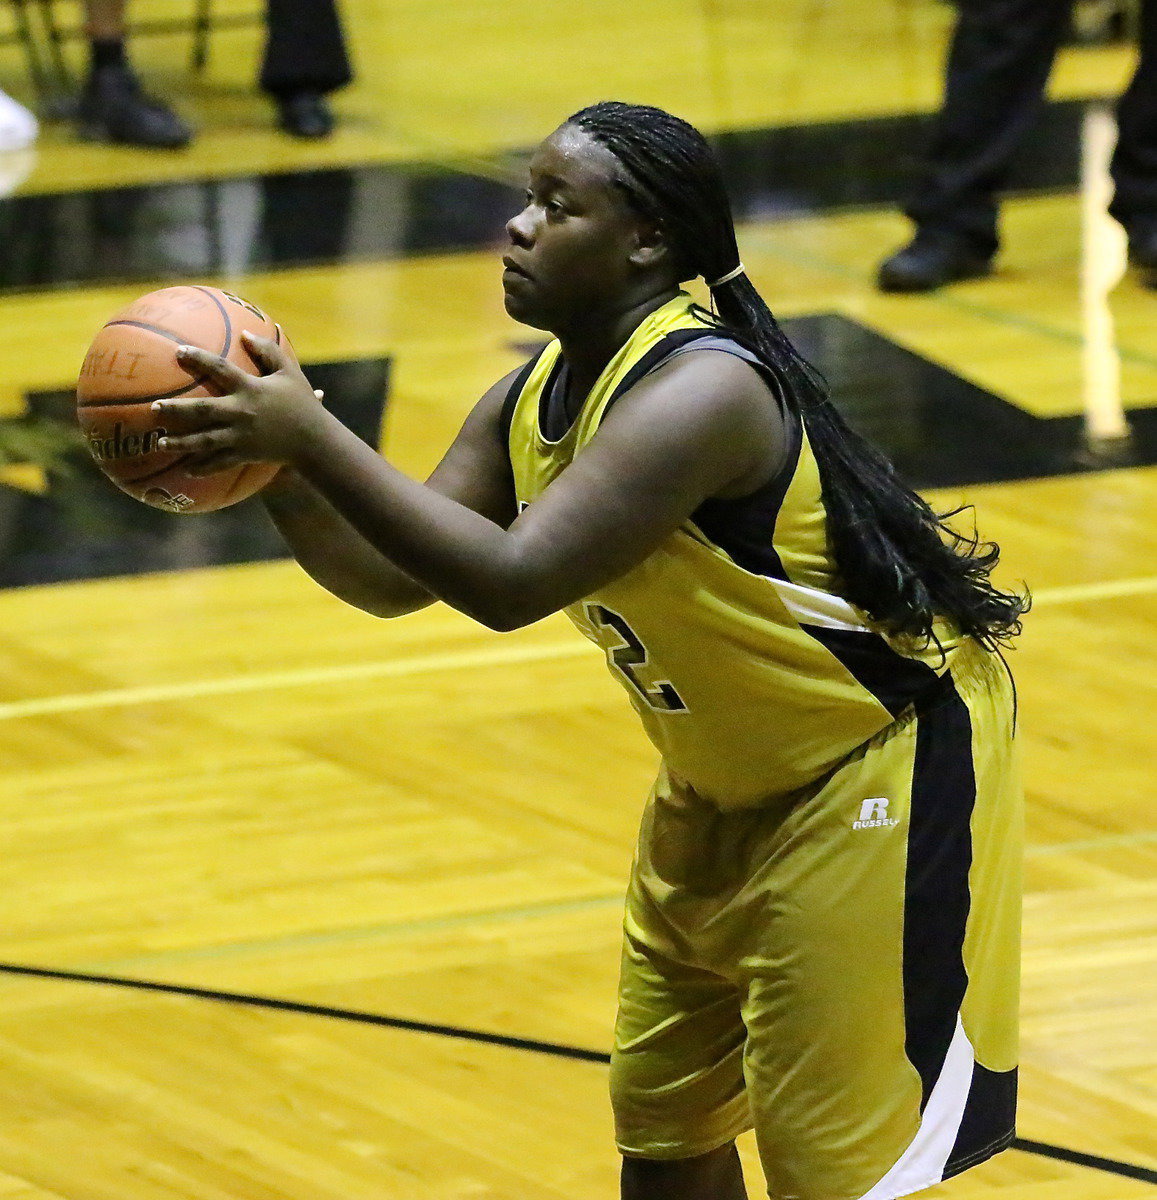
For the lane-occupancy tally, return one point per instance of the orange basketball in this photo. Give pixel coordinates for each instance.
(132, 362)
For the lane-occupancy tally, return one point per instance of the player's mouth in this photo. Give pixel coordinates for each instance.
(511, 270)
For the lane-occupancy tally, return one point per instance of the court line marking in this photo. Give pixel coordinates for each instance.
(360, 934)
(1112, 589)
(771, 241)
(1078, 1157)
(446, 922)
(315, 1010)
(1110, 841)
(1095, 1162)
(497, 656)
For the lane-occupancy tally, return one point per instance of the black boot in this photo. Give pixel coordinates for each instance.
(1143, 250)
(305, 114)
(113, 108)
(930, 260)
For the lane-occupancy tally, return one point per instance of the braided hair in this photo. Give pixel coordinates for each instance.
(899, 560)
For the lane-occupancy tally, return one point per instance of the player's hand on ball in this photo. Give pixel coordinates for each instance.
(262, 418)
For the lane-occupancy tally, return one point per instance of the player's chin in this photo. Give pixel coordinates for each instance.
(522, 308)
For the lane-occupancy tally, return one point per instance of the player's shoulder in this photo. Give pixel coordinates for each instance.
(717, 359)
(499, 393)
(710, 376)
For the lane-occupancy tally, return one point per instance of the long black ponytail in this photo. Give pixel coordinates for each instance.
(899, 560)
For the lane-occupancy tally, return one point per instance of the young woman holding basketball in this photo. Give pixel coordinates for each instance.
(821, 936)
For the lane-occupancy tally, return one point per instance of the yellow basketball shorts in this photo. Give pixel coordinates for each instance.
(838, 971)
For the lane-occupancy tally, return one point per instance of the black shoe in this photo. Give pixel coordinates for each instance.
(930, 261)
(114, 109)
(1143, 245)
(305, 115)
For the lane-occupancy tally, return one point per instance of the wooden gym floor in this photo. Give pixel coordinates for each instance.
(411, 837)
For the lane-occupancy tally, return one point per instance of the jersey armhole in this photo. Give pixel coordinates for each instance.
(673, 341)
(680, 341)
(506, 417)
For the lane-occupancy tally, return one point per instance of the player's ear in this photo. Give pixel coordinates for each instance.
(650, 245)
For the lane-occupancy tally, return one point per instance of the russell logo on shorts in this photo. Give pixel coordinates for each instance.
(874, 813)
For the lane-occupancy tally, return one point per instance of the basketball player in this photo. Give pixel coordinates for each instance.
(821, 936)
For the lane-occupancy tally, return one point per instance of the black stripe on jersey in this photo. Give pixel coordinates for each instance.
(506, 418)
(936, 898)
(673, 341)
(894, 680)
(989, 1122)
(743, 527)
(553, 419)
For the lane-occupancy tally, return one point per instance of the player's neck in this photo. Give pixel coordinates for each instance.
(590, 346)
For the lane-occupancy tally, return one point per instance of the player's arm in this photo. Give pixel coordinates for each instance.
(702, 425)
(474, 472)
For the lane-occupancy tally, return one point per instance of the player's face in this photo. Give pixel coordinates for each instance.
(569, 260)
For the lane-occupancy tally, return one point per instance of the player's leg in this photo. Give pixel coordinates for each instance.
(676, 1080)
(881, 1000)
(834, 1099)
(713, 1176)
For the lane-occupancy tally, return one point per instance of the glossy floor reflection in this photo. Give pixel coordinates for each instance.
(225, 778)
(172, 230)
(940, 429)
(82, 527)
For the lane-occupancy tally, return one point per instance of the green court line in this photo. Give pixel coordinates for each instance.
(766, 241)
(515, 914)
(361, 933)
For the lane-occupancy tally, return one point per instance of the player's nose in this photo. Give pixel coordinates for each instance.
(520, 229)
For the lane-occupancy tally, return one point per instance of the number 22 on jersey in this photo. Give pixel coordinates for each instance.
(627, 657)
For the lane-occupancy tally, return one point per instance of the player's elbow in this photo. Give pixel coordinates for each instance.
(516, 603)
(376, 601)
(387, 611)
(505, 618)
(374, 606)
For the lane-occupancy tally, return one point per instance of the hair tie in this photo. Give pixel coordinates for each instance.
(739, 270)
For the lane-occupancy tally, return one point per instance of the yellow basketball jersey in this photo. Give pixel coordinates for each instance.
(752, 676)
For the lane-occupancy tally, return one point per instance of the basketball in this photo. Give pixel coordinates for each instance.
(132, 362)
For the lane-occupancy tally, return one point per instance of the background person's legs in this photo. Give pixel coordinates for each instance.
(113, 108)
(305, 59)
(998, 64)
(1134, 164)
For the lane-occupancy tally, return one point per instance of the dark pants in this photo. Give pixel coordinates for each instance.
(305, 48)
(1001, 54)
